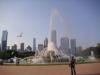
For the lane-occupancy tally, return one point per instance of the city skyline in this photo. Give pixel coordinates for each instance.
(82, 20)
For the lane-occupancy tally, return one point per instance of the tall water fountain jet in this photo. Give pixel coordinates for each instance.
(52, 43)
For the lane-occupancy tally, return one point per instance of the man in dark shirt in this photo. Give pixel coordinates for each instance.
(72, 65)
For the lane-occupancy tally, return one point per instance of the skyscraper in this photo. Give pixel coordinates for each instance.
(40, 47)
(22, 46)
(4, 40)
(64, 45)
(45, 42)
(0, 47)
(73, 46)
(54, 37)
(14, 47)
(34, 44)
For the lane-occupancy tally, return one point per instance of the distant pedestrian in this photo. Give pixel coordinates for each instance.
(17, 61)
(1, 61)
(72, 65)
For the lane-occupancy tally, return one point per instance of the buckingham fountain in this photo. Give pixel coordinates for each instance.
(51, 54)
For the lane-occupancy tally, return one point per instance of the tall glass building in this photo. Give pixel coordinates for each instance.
(4, 40)
(73, 46)
(64, 44)
(34, 44)
(54, 37)
(45, 42)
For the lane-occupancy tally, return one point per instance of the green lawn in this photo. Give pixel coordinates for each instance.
(49, 64)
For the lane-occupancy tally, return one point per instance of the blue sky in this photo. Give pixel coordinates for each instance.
(32, 17)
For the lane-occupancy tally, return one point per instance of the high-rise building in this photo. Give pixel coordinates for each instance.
(54, 37)
(22, 46)
(34, 44)
(40, 47)
(0, 47)
(14, 47)
(73, 46)
(64, 45)
(45, 43)
(4, 40)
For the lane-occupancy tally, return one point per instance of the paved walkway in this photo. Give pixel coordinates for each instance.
(82, 69)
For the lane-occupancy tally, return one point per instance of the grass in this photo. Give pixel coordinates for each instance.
(48, 64)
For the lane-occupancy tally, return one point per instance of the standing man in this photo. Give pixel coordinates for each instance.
(72, 65)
